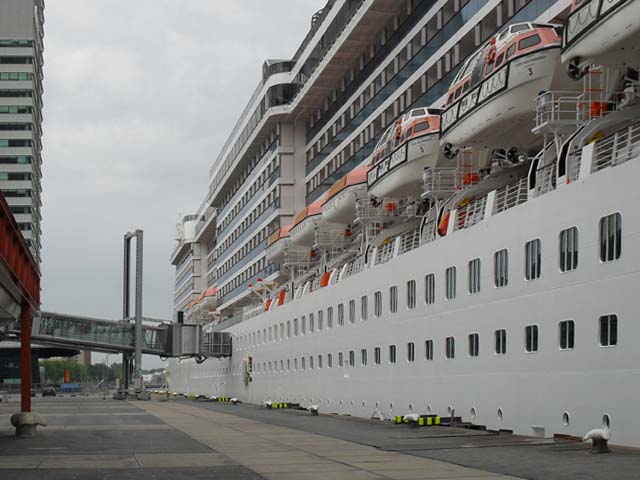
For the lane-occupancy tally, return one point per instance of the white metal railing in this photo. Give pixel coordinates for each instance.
(545, 179)
(555, 107)
(616, 149)
(573, 165)
(366, 212)
(324, 237)
(439, 182)
(384, 253)
(409, 241)
(297, 257)
(429, 227)
(511, 195)
(470, 214)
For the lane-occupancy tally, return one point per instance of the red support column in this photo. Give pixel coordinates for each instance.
(25, 357)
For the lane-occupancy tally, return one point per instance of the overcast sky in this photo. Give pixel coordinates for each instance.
(139, 96)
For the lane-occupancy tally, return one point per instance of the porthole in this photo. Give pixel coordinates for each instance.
(473, 413)
(500, 414)
(566, 419)
(606, 420)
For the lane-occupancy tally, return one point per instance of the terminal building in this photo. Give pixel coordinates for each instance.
(317, 116)
(21, 76)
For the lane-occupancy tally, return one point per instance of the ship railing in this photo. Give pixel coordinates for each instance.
(545, 179)
(429, 227)
(384, 252)
(440, 182)
(470, 214)
(409, 240)
(557, 108)
(298, 257)
(367, 213)
(620, 147)
(573, 165)
(511, 195)
(357, 266)
(330, 237)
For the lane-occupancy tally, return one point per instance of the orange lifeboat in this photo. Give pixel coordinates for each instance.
(340, 199)
(304, 223)
(278, 243)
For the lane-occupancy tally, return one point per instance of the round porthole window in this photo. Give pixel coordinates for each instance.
(500, 414)
(473, 413)
(565, 419)
(606, 420)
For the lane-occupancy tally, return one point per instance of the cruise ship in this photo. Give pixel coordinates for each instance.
(431, 209)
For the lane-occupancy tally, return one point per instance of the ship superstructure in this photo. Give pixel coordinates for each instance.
(464, 240)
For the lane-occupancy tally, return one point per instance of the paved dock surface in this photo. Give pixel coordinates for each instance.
(91, 438)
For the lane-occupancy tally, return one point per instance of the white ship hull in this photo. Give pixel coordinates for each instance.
(606, 32)
(532, 390)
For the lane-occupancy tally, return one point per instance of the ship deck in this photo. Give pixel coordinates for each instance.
(91, 438)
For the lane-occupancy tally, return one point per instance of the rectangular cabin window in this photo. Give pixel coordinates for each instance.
(450, 347)
(340, 359)
(311, 323)
(501, 342)
(377, 304)
(295, 364)
(608, 330)
(532, 259)
(352, 358)
(474, 276)
(568, 249)
(393, 299)
(567, 335)
(528, 42)
(303, 325)
(340, 314)
(511, 50)
(282, 331)
(531, 338)
(499, 59)
(501, 268)
(450, 283)
(428, 349)
(330, 317)
(310, 362)
(430, 289)
(474, 344)
(411, 294)
(302, 363)
(319, 361)
(377, 357)
(329, 360)
(392, 354)
(363, 357)
(364, 308)
(352, 311)
(411, 352)
(610, 237)
(288, 328)
(295, 327)
(320, 315)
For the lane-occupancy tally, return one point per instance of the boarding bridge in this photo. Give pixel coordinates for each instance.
(163, 339)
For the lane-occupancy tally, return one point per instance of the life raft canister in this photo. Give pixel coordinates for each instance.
(267, 304)
(281, 296)
(443, 226)
(324, 280)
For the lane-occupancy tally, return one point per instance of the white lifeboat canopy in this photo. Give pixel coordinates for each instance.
(602, 32)
(303, 231)
(277, 244)
(492, 100)
(340, 199)
(403, 152)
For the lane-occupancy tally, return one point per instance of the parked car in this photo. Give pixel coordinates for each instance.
(48, 392)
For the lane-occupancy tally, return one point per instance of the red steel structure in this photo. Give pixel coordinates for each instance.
(23, 270)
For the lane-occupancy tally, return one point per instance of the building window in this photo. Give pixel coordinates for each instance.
(330, 317)
(411, 294)
(411, 352)
(377, 304)
(352, 358)
(450, 286)
(532, 259)
(329, 360)
(531, 338)
(474, 276)
(392, 354)
(610, 237)
(352, 311)
(474, 345)
(450, 347)
(430, 289)
(609, 330)
(567, 335)
(363, 357)
(428, 349)
(340, 359)
(377, 357)
(501, 268)
(340, 314)
(393, 299)
(568, 249)
(364, 308)
(501, 342)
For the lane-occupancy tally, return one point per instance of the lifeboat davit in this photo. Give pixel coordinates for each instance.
(278, 243)
(491, 102)
(403, 152)
(340, 199)
(304, 223)
(605, 32)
